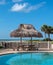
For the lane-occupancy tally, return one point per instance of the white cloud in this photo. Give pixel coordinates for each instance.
(26, 7)
(17, 0)
(2, 2)
(18, 7)
(35, 7)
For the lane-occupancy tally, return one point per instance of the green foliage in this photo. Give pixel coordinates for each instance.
(43, 28)
(47, 39)
(47, 29)
(1, 47)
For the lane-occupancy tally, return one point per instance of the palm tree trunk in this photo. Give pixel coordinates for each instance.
(48, 36)
(45, 35)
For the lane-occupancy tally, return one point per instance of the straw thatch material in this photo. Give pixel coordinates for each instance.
(25, 30)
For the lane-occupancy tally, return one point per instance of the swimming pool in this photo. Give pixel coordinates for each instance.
(27, 59)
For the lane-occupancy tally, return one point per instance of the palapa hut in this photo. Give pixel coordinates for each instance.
(25, 30)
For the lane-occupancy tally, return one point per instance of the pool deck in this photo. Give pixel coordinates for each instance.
(9, 51)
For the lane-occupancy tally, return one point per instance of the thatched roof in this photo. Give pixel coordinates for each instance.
(25, 30)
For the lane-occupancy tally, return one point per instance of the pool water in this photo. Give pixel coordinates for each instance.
(27, 59)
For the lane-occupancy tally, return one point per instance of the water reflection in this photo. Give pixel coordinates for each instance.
(29, 59)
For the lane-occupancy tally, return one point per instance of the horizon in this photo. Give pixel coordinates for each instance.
(16, 12)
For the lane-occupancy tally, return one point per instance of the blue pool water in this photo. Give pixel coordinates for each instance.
(27, 59)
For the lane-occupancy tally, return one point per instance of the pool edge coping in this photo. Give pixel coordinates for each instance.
(13, 52)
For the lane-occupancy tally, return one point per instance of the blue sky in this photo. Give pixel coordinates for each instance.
(15, 12)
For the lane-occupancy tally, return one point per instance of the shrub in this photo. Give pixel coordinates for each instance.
(47, 39)
(1, 47)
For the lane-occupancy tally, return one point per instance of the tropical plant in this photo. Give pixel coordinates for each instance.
(43, 28)
(47, 30)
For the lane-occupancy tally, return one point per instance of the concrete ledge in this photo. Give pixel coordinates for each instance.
(11, 51)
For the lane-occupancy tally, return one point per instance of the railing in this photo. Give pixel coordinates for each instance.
(40, 44)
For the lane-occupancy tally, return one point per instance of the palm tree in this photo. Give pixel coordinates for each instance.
(48, 30)
(51, 30)
(43, 28)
